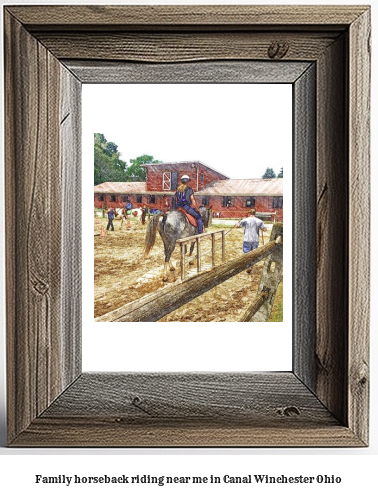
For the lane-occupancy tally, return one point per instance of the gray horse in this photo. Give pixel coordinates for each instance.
(172, 226)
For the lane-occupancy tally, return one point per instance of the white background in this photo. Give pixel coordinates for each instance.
(229, 128)
(357, 467)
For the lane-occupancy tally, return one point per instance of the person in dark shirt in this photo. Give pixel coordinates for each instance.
(110, 219)
(184, 198)
(144, 213)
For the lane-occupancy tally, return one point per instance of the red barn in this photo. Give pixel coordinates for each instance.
(227, 197)
(234, 197)
(163, 178)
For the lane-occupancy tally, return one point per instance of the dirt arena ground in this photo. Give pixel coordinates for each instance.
(121, 275)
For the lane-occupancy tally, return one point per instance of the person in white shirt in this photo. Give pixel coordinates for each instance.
(252, 226)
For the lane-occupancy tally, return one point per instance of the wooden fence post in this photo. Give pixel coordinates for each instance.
(270, 278)
(197, 239)
(223, 246)
(157, 304)
(255, 306)
(182, 258)
(213, 249)
(198, 255)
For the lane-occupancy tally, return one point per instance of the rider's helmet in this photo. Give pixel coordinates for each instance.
(185, 178)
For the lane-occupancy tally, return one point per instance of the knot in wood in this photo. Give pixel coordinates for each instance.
(288, 411)
(277, 50)
(41, 287)
(140, 404)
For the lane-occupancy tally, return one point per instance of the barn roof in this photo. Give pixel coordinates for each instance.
(229, 187)
(244, 187)
(121, 187)
(183, 164)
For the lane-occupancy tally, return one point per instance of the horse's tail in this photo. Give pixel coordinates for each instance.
(151, 234)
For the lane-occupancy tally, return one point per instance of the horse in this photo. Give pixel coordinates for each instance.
(122, 213)
(172, 226)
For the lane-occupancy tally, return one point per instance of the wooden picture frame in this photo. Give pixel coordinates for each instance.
(324, 400)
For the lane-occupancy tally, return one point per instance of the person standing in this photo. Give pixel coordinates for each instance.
(252, 226)
(144, 212)
(184, 198)
(110, 219)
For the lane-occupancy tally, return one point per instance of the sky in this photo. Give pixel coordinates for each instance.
(237, 129)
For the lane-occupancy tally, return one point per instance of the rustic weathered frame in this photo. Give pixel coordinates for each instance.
(324, 400)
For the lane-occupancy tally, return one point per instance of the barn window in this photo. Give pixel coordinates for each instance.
(250, 202)
(125, 198)
(166, 181)
(101, 197)
(278, 202)
(226, 201)
(139, 198)
(113, 197)
(202, 177)
(152, 198)
(205, 201)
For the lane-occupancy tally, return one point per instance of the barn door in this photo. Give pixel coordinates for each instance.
(174, 182)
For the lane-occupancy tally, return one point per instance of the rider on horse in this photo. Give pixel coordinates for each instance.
(184, 198)
(126, 210)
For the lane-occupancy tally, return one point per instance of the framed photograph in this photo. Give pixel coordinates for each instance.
(209, 279)
(323, 52)
(145, 241)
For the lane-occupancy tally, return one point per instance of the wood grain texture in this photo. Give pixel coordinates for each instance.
(98, 432)
(70, 142)
(42, 101)
(192, 409)
(184, 16)
(32, 189)
(34, 245)
(199, 72)
(331, 351)
(179, 47)
(241, 396)
(304, 224)
(359, 209)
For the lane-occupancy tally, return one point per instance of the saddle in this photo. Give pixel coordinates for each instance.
(192, 220)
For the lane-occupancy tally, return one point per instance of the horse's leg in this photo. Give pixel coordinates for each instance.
(168, 249)
(165, 271)
(191, 262)
(171, 266)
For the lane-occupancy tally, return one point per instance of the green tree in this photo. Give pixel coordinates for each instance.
(135, 172)
(269, 174)
(280, 175)
(108, 167)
